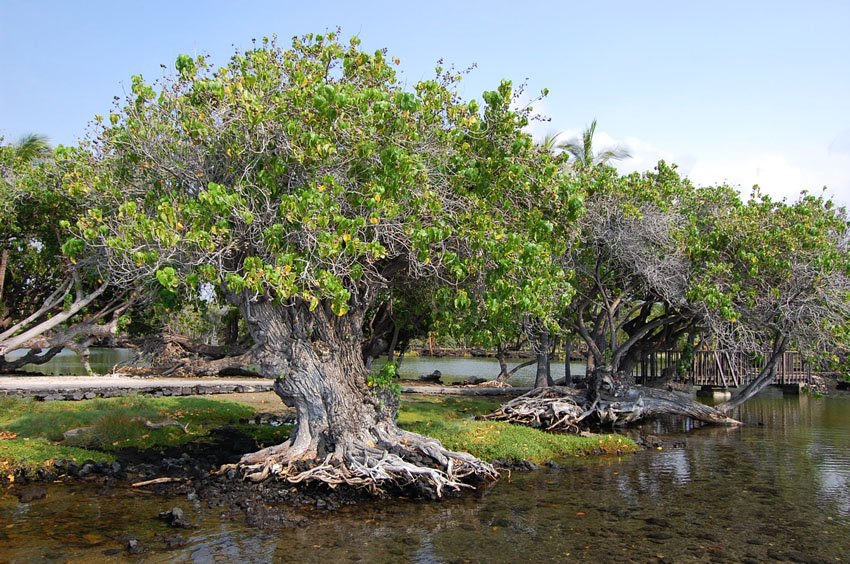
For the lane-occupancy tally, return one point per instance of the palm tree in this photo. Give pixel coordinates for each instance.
(581, 150)
(31, 147)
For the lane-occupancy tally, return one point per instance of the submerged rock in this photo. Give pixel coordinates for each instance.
(175, 518)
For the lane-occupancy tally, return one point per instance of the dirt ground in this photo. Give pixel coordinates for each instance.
(263, 402)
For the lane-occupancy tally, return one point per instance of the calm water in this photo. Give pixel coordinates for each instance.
(453, 369)
(456, 369)
(66, 363)
(777, 488)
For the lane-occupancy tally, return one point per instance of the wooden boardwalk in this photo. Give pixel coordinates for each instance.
(722, 369)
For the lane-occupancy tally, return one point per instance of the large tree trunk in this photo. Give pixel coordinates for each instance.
(345, 430)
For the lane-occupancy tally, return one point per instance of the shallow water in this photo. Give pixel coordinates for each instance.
(778, 487)
(456, 369)
(453, 369)
(67, 363)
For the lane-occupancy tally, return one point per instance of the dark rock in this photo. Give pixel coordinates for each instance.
(86, 469)
(660, 535)
(521, 466)
(111, 551)
(652, 441)
(134, 546)
(175, 518)
(434, 377)
(174, 541)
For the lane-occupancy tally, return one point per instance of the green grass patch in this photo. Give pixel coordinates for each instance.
(26, 456)
(450, 420)
(115, 423)
(423, 410)
(34, 431)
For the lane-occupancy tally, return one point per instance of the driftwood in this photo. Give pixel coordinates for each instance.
(568, 409)
(169, 423)
(155, 481)
(174, 355)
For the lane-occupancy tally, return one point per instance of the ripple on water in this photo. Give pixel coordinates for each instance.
(775, 490)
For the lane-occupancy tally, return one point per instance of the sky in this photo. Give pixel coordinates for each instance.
(743, 92)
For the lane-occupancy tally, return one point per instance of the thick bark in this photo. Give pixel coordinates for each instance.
(543, 377)
(568, 353)
(345, 430)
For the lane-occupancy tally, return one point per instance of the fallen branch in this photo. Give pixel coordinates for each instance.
(155, 481)
(169, 423)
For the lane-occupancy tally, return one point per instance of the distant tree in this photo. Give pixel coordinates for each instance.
(49, 302)
(772, 276)
(584, 154)
(15, 157)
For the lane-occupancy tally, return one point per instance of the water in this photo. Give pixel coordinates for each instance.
(66, 363)
(778, 487)
(103, 360)
(458, 369)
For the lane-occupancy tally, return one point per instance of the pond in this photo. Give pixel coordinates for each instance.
(777, 488)
(453, 369)
(66, 363)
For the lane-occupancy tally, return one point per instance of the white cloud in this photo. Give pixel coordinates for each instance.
(780, 175)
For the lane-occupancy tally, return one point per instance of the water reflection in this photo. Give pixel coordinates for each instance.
(457, 369)
(66, 363)
(775, 490)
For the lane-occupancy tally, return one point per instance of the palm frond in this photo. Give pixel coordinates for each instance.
(32, 146)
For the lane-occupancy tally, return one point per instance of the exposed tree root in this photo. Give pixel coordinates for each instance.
(413, 463)
(567, 409)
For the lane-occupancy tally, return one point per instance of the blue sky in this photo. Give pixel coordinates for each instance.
(738, 91)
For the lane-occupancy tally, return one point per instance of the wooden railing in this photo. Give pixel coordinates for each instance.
(722, 369)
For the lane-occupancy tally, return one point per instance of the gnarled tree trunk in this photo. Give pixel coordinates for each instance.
(345, 430)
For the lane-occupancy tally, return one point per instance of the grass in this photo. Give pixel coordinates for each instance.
(26, 456)
(450, 420)
(32, 432)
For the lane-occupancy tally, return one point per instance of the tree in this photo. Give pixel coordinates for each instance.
(306, 185)
(631, 273)
(660, 262)
(773, 275)
(26, 152)
(583, 153)
(50, 302)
